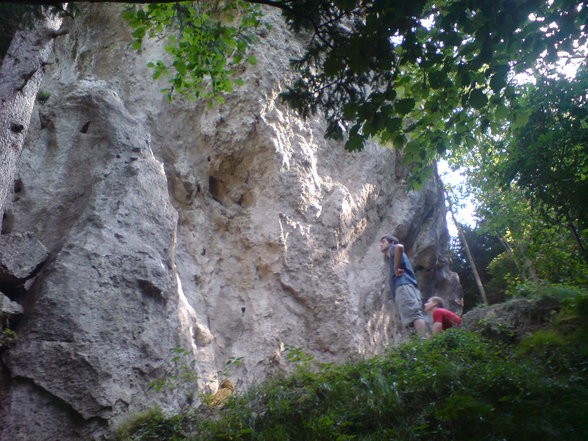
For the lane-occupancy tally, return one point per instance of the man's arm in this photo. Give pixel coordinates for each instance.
(437, 328)
(398, 251)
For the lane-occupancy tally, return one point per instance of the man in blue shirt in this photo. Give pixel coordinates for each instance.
(403, 285)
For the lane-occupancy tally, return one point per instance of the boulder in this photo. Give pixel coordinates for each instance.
(512, 320)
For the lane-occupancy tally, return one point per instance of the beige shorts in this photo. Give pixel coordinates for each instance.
(409, 302)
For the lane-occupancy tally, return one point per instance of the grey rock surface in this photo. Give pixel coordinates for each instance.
(511, 321)
(21, 253)
(8, 307)
(231, 230)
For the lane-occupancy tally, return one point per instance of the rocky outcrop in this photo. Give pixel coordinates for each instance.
(512, 320)
(231, 230)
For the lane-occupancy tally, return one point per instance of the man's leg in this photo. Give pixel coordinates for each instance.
(421, 327)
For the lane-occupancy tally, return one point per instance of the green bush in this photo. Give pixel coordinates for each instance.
(456, 386)
(8, 338)
(153, 425)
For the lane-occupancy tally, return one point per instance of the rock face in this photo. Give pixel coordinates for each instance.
(511, 321)
(232, 231)
(20, 256)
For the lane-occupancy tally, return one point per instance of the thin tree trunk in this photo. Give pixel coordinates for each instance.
(578, 240)
(21, 73)
(470, 258)
(527, 268)
(529, 272)
(530, 267)
(511, 253)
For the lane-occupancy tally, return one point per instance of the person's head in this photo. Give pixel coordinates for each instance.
(433, 303)
(386, 242)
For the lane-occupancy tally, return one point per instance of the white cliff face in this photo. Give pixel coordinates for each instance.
(232, 231)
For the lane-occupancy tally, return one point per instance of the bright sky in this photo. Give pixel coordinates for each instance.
(465, 212)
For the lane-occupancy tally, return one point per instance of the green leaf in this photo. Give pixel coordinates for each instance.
(393, 125)
(478, 99)
(350, 111)
(180, 66)
(128, 14)
(438, 79)
(332, 65)
(520, 118)
(404, 106)
(399, 140)
(354, 143)
(501, 112)
(498, 82)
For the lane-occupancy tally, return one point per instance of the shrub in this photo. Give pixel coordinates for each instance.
(456, 386)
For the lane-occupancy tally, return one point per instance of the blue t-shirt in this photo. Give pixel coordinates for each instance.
(408, 278)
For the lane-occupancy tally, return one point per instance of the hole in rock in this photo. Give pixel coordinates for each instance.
(7, 222)
(216, 189)
(16, 293)
(85, 127)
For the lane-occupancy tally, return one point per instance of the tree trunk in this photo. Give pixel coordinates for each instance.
(511, 253)
(21, 74)
(578, 239)
(470, 258)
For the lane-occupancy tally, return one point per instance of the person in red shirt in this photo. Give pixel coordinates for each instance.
(442, 318)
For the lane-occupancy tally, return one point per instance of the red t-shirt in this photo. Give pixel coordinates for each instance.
(447, 318)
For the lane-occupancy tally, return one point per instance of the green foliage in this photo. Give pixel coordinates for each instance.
(182, 375)
(424, 76)
(14, 17)
(455, 386)
(436, 74)
(529, 183)
(494, 328)
(542, 342)
(210, 41)
(8, 338)
(548, 156)
(297, 356)
(504, 274)
(564, 347)
(153, 425)
(43, 96)
(230, 365)
(574, 317)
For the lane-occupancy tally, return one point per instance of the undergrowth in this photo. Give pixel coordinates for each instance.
(456, 386)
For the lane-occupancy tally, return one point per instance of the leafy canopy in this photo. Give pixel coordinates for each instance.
(531, 182)
(548, 157)
(426, 76)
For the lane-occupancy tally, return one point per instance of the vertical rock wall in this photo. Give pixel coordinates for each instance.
(231, 231)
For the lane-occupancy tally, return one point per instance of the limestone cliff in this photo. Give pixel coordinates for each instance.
(231, 231)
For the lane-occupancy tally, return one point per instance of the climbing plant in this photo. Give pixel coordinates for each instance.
(207, 41)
